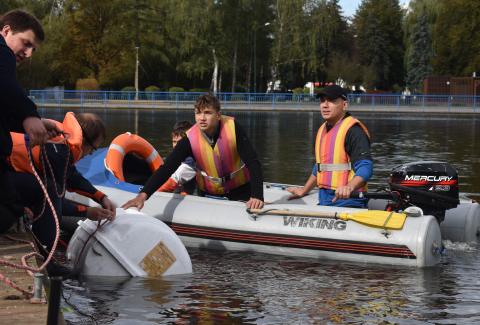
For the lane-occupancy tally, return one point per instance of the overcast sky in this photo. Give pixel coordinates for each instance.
(350, 6)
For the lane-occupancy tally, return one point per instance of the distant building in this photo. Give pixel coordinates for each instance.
(457, 86)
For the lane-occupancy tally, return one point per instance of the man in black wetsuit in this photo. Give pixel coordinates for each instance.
(226, 163)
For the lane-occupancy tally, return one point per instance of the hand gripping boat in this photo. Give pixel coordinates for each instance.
(133, 245)
(302, 229)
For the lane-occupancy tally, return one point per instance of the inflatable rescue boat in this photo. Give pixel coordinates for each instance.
(408, 234)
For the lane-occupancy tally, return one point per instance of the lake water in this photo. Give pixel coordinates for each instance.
(239, 288)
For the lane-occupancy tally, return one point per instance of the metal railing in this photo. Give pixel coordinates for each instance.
(272, 101)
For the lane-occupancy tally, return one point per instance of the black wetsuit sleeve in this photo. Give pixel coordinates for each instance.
(15, 103)
(70, 208)
(16, 106)
(250, 158)
(357, 144)
(181, 151)
(79, 184)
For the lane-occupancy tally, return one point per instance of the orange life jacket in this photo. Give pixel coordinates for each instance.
(333, 163)
(19, 157)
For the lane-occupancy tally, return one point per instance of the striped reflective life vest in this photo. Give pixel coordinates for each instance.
(219, 169)
(19, 157)
(333, 163)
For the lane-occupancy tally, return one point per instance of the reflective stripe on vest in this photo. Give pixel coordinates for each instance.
(219, 169)
(333, 167)
(19, 157)
(333, 162)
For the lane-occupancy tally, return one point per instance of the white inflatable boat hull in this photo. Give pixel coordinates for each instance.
(221, 224)
(461, 224)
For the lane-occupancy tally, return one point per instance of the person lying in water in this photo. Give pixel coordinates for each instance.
(182, 180)
(226, 163)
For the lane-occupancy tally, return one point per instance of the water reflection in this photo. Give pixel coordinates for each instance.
(233, 288)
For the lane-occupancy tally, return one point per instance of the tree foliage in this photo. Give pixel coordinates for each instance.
(308, 34)
(419, 64)
(378, 26)
(457, 41)
(241, 45)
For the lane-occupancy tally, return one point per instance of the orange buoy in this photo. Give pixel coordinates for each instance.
(130, 143)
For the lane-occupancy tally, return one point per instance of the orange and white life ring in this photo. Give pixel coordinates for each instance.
(130, 143)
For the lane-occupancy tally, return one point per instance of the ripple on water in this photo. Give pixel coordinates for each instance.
(238, 288)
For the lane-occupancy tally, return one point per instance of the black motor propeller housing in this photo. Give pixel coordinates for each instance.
(430, 185)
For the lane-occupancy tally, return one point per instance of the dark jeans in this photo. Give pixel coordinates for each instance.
(32, 196)
(9, 211)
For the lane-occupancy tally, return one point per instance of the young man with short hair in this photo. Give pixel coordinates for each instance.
(21, 34)
(226, 163)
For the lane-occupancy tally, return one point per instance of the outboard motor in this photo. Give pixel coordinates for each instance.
(430, 185)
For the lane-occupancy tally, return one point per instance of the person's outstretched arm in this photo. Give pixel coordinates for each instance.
(249, 157)
(181, 151)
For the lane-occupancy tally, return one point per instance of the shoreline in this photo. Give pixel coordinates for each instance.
(378, 111)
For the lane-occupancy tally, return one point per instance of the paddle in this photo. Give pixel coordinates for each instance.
(373, 218)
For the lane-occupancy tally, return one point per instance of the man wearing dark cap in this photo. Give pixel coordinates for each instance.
(342, 151)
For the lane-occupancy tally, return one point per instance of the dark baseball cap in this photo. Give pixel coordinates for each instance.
(333, 92)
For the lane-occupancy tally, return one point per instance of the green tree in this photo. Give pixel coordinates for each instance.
(378, 26)
(7, 5)
(306, 36)
(97, 41)
(148, 21)
(420, 54)
(456, 38)
(218, 36)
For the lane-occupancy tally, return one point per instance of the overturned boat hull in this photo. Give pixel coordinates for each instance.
(134, 245)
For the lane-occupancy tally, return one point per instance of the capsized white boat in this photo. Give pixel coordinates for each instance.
(221, 224)
(133, 245)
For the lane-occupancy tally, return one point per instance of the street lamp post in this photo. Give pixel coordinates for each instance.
(255, 60)
(255, 56)
(137, 63)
